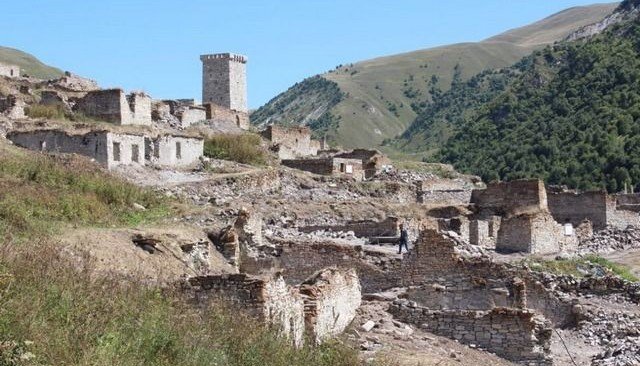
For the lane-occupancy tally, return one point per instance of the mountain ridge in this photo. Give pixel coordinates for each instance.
(380, 97)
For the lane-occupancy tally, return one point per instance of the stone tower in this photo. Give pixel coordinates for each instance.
(224, 80)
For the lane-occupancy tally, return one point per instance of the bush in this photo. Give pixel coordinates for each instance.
(46, 111)
(245, 148)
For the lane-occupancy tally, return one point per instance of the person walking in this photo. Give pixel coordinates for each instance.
(404, 239)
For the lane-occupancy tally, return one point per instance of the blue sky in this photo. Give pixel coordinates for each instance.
(155, 45)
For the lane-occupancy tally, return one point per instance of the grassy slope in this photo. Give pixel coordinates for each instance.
(365, 119)
(54, 311)
(28, 63)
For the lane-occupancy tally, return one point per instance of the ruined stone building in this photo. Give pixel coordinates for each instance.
(112, 149)
(338, 167)
(173, 150)
(321, 307)
(107, 148)
(373, 161)
(11, 71)
(597, 207)
(290, 142)
(515, 217)
(113, 105)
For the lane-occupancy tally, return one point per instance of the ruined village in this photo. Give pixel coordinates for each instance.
(308, 244)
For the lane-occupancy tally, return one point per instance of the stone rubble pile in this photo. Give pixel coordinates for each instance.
(618, 333)
(611, 239)
(280, 232)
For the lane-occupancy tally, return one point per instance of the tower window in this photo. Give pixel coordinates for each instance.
(178, 150)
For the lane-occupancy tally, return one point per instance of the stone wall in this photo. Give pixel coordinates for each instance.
(130, 147)
(269, 300)
(620, 218)
(351, 168)
(11, 71)
(174, 151)
(224, 81)
(574, 208)
(221, 115)
(484, 232)
(331, 298)
(298, 260)
(112, 105)
(373, 161)
(108, 149)
(535, 233)
(290, 142)
(139, 112)
(361, 229)
(447, 197)
(515, 334)
(516, 197)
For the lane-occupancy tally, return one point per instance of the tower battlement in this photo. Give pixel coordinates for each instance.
(224, 80)
(224, 56)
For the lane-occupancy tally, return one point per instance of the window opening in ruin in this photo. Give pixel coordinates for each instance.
(135, 153)
(178, 150)
(491, 229)
(342, 167)
(11, 72)
(43, 146)
(238, 121)
(116, 151)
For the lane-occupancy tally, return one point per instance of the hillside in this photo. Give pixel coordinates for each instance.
(568, 114)
(28, 63)
(375, 97)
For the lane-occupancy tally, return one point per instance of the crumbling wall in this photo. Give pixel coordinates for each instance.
(351, 168)
(298, 260)
(106, 105)
(131, 150)
(269, 300)
(361, 229)
(290, 142)
(516, 197)
(620, 218)
(112, 105)
(373, 161)
(574, 208)
(483, 232)
(11, 71)
(93, 145)
(515, 334)
(139, 112)
(218, 114)
(331, 298)
(192, 115)
(448, 197)
(174, 151)
(534, 233)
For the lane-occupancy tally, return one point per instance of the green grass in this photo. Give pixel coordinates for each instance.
(55, 310)
(574, 266)
(39, 194)
(244, 148)
(28, 63)
(46, 111)
(363, 116)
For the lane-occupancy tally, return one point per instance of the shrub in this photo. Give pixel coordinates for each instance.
(244, 148)
(46, 111)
